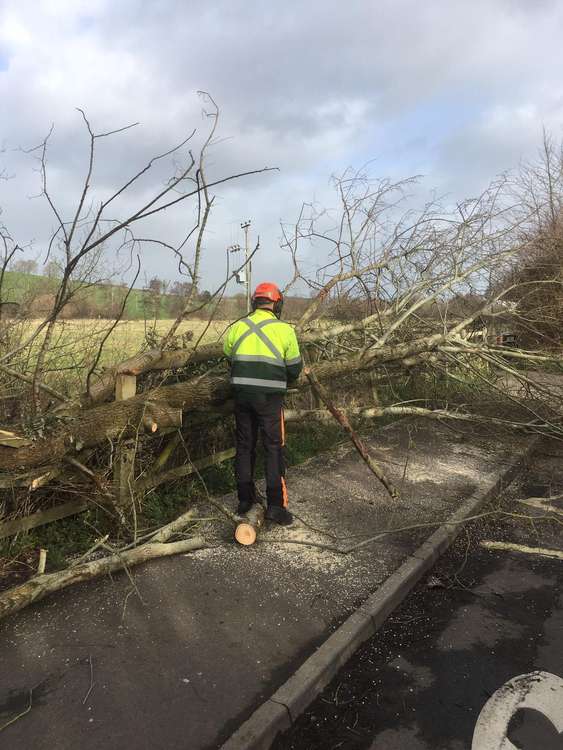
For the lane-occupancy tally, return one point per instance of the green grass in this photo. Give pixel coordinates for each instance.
(64, 538)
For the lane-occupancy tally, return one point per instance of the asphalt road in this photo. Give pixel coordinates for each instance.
(183, 657)
(480, 619)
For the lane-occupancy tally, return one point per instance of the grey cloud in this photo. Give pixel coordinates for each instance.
(308, 87)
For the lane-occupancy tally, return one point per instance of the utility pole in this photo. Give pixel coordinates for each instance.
(248, 264)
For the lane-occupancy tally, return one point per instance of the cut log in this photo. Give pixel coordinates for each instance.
(41, 586)
(247, 529)
(159, 416)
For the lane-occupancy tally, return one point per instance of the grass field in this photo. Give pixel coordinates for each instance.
(129, 336)
(75, 344)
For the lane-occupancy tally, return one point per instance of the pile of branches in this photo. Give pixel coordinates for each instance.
(426, 290)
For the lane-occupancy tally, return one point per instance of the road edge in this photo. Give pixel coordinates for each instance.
(289, 701)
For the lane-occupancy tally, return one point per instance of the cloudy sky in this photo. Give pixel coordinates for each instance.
(455, 90)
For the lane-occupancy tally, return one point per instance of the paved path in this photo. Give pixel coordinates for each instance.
(478, 622)
(206, 638)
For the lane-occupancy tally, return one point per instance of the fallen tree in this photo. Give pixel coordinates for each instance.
(418, 298)
(123, 419)
(422, 283)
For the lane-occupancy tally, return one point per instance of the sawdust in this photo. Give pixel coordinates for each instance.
(422, 471)
(300, 555)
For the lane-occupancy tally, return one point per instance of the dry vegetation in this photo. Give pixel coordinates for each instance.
(81, 337)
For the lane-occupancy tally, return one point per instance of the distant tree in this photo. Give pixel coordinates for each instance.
(52, 270)
(25, 266)
(155, 285)
(181, 288)
(534, 282)
(156, 289)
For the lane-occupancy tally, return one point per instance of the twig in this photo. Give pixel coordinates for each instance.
(100, 543)
(131, 591)
(314, 528)
(213, 501)
(23, 713)
(112, 327)
(26, 379)
(91, 680)
(542, 504)
(89, 473)
(510, 547)
(127, 573)
(303, 543)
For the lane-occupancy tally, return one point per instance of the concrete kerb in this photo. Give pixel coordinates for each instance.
(292, 698)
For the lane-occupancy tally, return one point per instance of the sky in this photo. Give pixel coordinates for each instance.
(452, 90)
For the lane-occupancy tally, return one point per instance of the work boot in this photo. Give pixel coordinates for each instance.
(280, 515)
(244, 506)
(246, 497)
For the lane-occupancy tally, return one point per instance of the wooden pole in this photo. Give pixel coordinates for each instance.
(125, 387)
(342, 420)
(42, 561)
(124, 461)
(247, 529)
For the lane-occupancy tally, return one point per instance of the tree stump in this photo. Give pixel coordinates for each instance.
(247, 529)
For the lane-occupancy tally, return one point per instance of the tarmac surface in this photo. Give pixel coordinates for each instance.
(182, 657)
(475, 625)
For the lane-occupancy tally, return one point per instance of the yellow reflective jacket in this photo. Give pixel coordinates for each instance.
(263, 352)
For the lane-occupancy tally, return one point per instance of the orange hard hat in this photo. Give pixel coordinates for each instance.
(267, 290)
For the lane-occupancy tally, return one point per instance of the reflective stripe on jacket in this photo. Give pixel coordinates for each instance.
(263, 352)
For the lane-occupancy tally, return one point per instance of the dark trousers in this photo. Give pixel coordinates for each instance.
(260, 414)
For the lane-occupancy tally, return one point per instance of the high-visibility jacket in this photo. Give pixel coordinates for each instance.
(263, 352)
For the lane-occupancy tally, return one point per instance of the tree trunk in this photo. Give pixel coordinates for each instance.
(121, 419)
(156, 359)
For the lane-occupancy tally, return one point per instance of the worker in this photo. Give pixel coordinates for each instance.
(264, 357)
